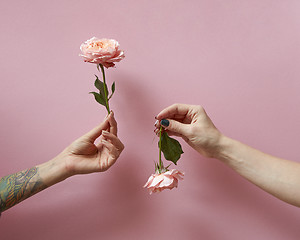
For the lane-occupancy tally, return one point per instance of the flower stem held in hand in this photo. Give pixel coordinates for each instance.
(163, 177)
(161, 165)
(105, 88)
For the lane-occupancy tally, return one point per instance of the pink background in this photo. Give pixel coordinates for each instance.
(239, 59)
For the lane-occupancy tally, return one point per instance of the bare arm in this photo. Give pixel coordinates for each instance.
(81, 157)
(276, 176)
(17, 187)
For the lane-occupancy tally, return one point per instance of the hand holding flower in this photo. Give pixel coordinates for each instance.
(163, 177)
(192, 124)
(84, 156)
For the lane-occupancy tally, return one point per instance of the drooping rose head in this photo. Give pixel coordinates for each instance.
(101, 51)
(167, 180)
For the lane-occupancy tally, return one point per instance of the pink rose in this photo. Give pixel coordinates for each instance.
(101, 51)
(167, 180)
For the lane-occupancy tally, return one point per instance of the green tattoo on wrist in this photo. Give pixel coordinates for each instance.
(17, 187)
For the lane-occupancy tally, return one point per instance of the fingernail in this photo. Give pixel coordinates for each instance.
(155, 117)
(165, 122)
(104, 132)
(156, 122)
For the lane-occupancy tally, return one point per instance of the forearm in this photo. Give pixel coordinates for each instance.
(17, 187)
(277, 176)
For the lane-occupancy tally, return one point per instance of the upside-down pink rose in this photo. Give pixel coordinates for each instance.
(167, 180)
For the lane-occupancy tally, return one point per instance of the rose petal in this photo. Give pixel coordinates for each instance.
(150, 179)
(157, 180)
(167, 181)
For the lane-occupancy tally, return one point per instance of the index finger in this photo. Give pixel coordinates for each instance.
(174, 111)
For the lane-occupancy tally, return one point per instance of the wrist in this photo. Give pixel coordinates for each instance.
(233, 153)
(54, 171)
(222, 149)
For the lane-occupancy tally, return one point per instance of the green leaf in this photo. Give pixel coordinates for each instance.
(156, 167)
(99, 98)
(113, 88)
(171, 148)
(100, 86)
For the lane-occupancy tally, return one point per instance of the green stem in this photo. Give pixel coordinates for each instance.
(105, 88)
(161, 165)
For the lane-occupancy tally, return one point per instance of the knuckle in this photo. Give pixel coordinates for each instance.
(175, 127)
(122, 147)
(199, 108)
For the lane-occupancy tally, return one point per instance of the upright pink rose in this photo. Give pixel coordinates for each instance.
(167, 180)
(101, 51)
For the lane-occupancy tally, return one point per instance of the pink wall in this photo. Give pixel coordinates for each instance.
(239, 59)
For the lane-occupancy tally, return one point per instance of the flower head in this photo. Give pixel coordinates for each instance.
(161, 181)
(101, 51)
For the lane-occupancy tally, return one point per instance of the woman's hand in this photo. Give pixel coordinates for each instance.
(85, 156)
(192, 124)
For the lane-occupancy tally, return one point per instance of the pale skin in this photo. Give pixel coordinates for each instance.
(279, 177)
(83, 156)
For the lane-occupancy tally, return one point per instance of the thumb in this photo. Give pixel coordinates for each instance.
(93, 134)
(174, 126)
